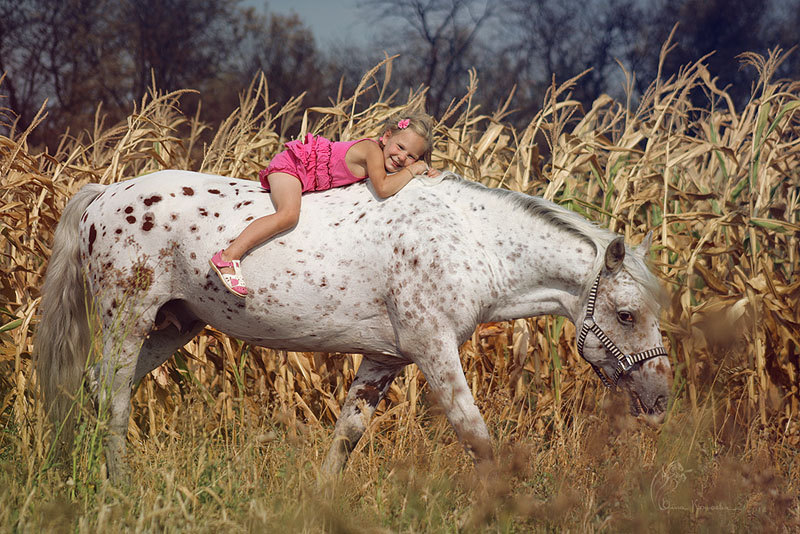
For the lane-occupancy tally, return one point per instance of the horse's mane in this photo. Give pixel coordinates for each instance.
(565, 219)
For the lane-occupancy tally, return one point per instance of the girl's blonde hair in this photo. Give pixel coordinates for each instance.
(419, 122)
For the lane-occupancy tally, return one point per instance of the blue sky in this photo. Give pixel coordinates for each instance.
(331, 21)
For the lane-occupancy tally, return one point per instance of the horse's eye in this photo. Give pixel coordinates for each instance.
(625, 317)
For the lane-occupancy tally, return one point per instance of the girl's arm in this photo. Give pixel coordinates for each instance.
(386, 184)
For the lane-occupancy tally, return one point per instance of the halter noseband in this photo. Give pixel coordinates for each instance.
(624, 362)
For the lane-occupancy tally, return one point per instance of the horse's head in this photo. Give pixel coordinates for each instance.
(620, 335)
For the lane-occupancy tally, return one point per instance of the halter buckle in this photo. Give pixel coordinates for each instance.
(625, 364)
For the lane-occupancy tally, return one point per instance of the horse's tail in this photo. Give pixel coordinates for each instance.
(63, 336)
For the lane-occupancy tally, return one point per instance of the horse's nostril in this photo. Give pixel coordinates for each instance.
(659, 405)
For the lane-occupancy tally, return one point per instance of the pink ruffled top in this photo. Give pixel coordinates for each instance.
(317, 162)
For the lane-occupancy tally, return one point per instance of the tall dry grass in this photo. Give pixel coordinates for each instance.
(229, 435)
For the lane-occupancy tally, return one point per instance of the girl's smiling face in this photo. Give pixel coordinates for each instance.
(401, 149)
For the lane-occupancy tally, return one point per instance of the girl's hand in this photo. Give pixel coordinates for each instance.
(417, 168)
(420, 167)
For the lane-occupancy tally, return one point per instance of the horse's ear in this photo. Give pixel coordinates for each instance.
(644, 247)
(615, 255)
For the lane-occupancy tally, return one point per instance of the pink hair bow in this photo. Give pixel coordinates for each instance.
(403, 123)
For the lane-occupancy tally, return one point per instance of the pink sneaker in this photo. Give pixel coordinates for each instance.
(233, 282)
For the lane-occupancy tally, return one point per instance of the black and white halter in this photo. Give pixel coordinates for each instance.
(623, 362)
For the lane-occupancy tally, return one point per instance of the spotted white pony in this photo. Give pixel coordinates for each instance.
(401, 280)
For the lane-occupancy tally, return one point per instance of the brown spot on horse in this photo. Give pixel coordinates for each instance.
(92, 237)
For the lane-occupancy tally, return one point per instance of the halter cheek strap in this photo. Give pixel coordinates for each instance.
(624, 362)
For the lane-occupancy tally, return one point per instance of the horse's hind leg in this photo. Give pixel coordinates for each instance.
(160, 344)
(130, 352)
(114, 380)
(373, 378)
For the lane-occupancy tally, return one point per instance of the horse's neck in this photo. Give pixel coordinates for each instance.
(538, 267)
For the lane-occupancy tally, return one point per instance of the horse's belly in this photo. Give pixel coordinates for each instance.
(323, 330)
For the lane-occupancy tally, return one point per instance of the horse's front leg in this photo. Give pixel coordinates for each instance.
(372, 380)
(450, 389)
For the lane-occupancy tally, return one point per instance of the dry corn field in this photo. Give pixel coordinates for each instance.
(227, 435)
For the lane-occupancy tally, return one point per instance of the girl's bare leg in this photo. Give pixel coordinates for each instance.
(285, 191)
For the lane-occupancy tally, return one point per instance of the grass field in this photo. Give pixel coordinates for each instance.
(230, 436)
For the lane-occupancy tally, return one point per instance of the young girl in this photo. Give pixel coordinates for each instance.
(316, 164)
